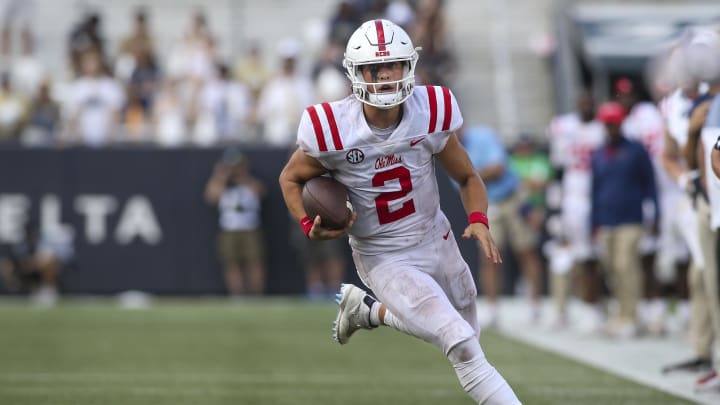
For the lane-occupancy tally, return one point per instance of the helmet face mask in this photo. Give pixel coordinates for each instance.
(380, 42)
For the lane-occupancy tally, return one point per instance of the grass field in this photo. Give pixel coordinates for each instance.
(258, 352)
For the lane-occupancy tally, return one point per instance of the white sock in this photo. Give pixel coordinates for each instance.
(375, 314)
(478, 377)
(393, 322)
(643, 310)
(657, 309)
(683, 310)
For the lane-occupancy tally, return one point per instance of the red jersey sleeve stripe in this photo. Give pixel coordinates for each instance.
(432, 100)
(447, 104)
(318, 128)
(337, 142)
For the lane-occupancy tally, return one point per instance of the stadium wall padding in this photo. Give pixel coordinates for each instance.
(101, 193)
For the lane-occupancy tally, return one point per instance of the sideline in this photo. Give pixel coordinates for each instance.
(639, 360)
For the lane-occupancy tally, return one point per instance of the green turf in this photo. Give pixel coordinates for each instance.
(258, 352)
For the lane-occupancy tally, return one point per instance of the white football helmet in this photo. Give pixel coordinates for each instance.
(380, 41)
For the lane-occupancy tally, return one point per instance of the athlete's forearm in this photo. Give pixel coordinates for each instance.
(299, 169)
(292, 194)
(473, 194)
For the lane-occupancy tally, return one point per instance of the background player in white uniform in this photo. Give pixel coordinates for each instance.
(675, 108)
(382, 144)
(573, 138)
(702, 61)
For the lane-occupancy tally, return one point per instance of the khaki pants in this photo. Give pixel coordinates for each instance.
(560, 290)
(508, 226)
(621, 260)
(704, 291)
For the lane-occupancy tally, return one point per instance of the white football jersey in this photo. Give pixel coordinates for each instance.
(572, 143)
(674, 109)
(645, 125)
(709, 135)
(391, 182)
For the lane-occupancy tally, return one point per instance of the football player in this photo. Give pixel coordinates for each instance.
(703, 56)
(573, 138)
(382, 143)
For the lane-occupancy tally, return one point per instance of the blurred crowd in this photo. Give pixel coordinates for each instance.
(188, 94)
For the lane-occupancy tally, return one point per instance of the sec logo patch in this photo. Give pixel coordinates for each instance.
(355, 156)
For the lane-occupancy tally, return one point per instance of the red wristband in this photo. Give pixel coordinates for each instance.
(306, 224)
(477, 216)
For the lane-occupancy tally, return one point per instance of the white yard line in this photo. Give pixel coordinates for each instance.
(638, 359)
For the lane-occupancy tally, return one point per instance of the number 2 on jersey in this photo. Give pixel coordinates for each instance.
(382, 201)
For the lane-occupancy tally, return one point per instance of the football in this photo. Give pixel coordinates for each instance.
(328, 198)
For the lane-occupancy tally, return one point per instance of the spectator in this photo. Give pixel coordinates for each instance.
(13, 111)
(623, 178)
(169, 115)
(535, 172)
(139, 41)
(238, 196)
(370, 9)
(401, 12)
(15, 14)
(27, 70)
(84, 37)
(193, 58)
(285, 97)
(252, 71)
(330, 82)
(43, 119)
(145, 79)
(343, 23)
(506, 200)
(430, 27)
(135, 118)
(192, 62)
(223, 110)
(35, 263)
(94, 104)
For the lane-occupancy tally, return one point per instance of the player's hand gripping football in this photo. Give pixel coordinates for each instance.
(481, 233)
(318, 232)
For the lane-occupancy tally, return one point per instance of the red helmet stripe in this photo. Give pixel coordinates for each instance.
(432, 100)
(447, 104)
(380, 35)
(337, 142)
(318, 128)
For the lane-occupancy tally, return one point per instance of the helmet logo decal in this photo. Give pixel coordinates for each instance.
(382, 50)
